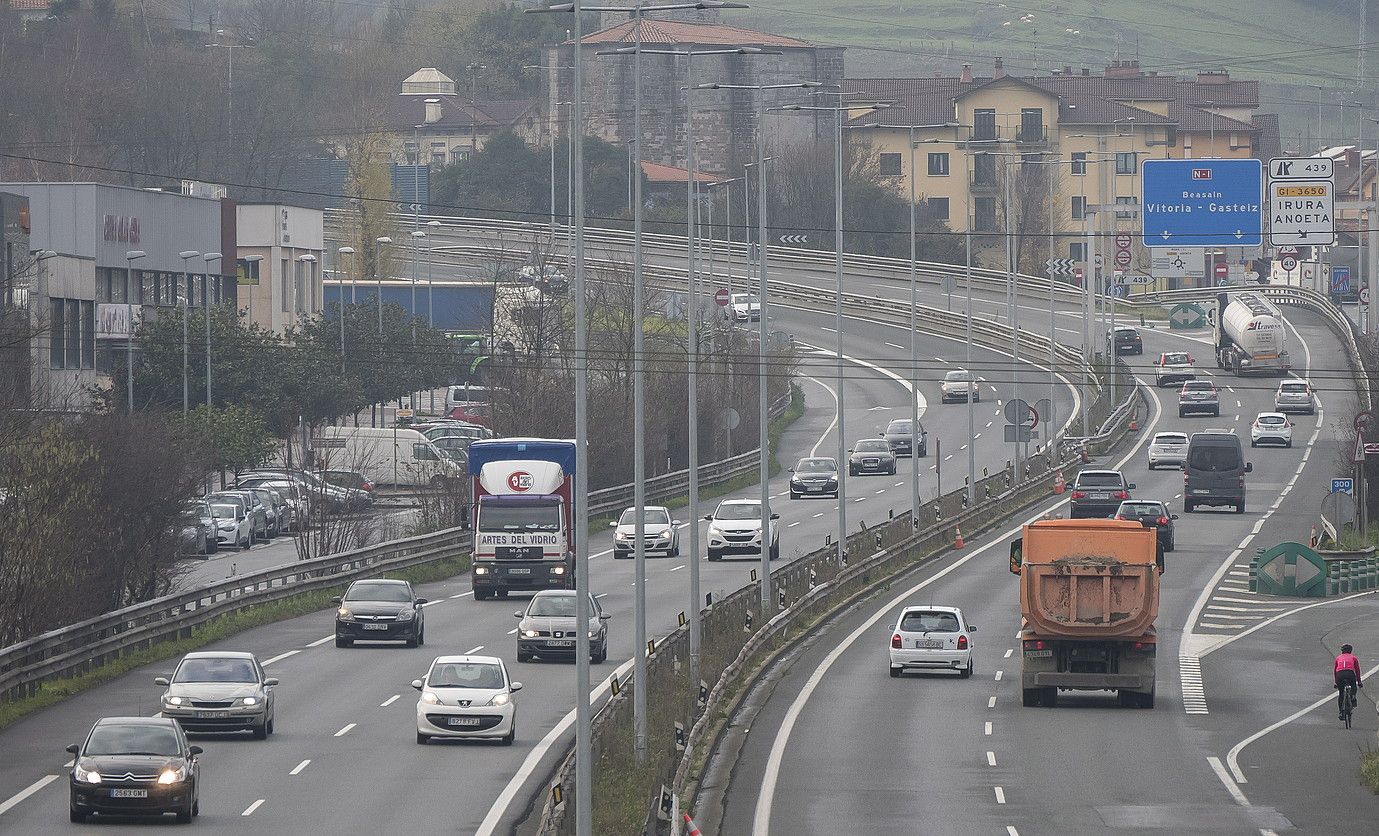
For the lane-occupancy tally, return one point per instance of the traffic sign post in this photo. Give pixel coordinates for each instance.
(720, 297)
(1302, 212)
(1289, 263)
(1186, 315)
(1340, 280)
(1343, 486)
(1364, 296)
(1202, 203)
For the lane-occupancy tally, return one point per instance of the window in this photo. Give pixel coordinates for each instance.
(938, 164)
(1031, 124)
(1077, 251)
(285, 283)
(1125, 162)
(105, 284)
(148, 285)
(1079, 167)
(1126, 201)
(73, 340)
(984, 123)
(1079, 207)
(456, 155)
(421, 451)
(57, 333)
(410, 149)
(985, 220)
(983, 170)
(939, 206)
(890, 165)
(438, 153)
(72, 334)
(88, 335)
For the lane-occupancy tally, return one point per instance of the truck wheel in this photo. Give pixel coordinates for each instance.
(1240, 508)
(1187, 507)
(501, 593)
(1048, 697)
(1030, 697)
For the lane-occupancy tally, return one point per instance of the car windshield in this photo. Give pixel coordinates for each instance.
(1213, 458)
(929, 622)
(899, 425)
(519, 517)
(1141, 509)
(815, 466)
(344, 478)
(393, 593)
(1272, 420)
(552, 606)
(1175, 359)
(1199, 386)
(131, 739)
(738, 511)
(1170, 438)
(1294, 388)
(650, 516)
(958, 377)
(226, 512)
(465, 675)
(1126, 332)
(1099, 480)
(215, 670)
(878, 446)
(744, 299)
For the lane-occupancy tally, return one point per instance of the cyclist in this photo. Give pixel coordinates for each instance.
(1346, 673)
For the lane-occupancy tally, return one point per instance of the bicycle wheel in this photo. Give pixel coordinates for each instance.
(1349, 705)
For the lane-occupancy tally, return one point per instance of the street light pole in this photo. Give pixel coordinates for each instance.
(209, 257)
(130, 258)
(340, 308)
(378, 274)
(186, 312)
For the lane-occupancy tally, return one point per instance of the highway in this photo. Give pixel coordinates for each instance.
(823, 754)
(343, 759)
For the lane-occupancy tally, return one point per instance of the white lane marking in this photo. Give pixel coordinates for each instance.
(1222, 641)
(26, 792)
(297, 770)
(1231, 787)
(473, 650)
(990, 758)
(987, 730)
(345, 730)
(787, 525)
(280, 657)
(1011, 831)
(1190, 675)
(814, 451)
(893, 345)
(320, 642)
(1213, 625)
(820, 514)
(1000, 795)
(682, 565)
(988, 424)
(512, 631)
(978, 435)
(249, 811)
(461, 595)
(878, 493)
(923, 404)
(1009, 651)
(991, 702)
(902, 484)
(1000, 674)
(389, 701)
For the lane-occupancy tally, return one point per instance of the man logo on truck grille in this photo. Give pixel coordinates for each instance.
(520, 480)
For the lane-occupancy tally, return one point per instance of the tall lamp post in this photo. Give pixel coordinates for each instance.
(340, 298)
(206, 310)
(473, 70)
(133, 283)
(186, 255)
(378, 274)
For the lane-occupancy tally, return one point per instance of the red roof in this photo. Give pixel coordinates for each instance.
(697, 34)
(658, 174)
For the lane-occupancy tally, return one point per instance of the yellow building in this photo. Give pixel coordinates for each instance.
(1067, 140)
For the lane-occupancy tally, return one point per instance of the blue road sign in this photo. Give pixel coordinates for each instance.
(1343, 486)
(1340, 280)
(1202, 203)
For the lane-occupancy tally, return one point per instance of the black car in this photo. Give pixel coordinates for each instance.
(135, 766)
(899, 435)
(1127, 340)
(1098, 493)
(871, 455)
(380, 610)
(1150, 514)
(814, 476)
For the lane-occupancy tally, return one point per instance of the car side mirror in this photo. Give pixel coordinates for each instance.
(612, 523)
(1173, 516)
(708, 518)
(195, 750)
(416, 683)
(160, 680)
(270, 682)
(336, 600)
(775, 516)
(1130, 486)
(517, 614)
(1017, 555)
(514, 686)
(971, 628)
(72, 748)
(604, 616)
(421, 601)
(790, 470)
(1249, 467)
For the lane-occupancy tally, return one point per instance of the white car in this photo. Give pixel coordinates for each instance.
(958, 385)
(467, 696)
(1168, 448)
(1174, 367)
(661, 533)
(233, 526)
(1295, 396)
(744, 307)
(1271, 428)
(932, 638)
(735, 528)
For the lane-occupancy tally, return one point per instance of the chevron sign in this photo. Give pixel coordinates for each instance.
(1060, 266)
(794, 239)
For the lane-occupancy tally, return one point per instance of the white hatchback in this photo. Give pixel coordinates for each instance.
(931, 638)
(1271, 428)
(467, 696)
(1168, 448)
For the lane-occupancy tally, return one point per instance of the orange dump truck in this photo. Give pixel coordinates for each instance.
(1089, 593)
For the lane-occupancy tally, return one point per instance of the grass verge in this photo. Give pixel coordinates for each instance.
(1369, 770)
(223, 627)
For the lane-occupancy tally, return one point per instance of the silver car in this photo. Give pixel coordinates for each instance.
(218, 691)
(1168, 448)
(546, 629)
(660, 533)
(232, 524)
(251, 506)
(1295, 396)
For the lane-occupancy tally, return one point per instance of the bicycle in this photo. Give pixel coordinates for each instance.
(1348, 701)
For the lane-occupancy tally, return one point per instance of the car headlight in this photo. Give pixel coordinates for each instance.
(430, 698)
(344, 614)
(593, 634)
(86, 776)
(249, 701)
(623, 535)
(501, 699)
(664, 535)
(173, 776)
(531, 634)
(557, 570)
(406, 615)
(173, 700)
(227, 526)
(481, 570)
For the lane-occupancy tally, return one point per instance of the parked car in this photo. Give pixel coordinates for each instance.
(814, 476)
(467, 696)
(1198, 396)
(454, 447)
(1174, 367)
(232, 524)
(1167, 448)
(899, 436)
(744, 307)
(871, 455)
(547, 629)
(135, 766)
(317, 489)
(198, 534)
(351, 479)
(1214, 473)
(218, 691)
(1295, 396)
(274, 508)
(958, 386)
(1126, 340)
(1098, 493)
(1271, 428)
(253, 506)
(472, 413)
(380, 610)
(931, 638)
(1150, 514)
(735, 528)
(546, 278)
(463, 394)
(442, 429)
(660, 533)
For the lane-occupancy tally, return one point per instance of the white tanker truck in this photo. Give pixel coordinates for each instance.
(1250, 336)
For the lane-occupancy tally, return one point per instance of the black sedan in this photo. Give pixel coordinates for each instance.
(899, 435)
(871, 455)
(135, 766)
(814, 476)
(1127, 340)
(380, 610)
(1150, 514)
(1098, 493)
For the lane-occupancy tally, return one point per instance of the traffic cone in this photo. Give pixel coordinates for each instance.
(1059, 483)
(1135, 421)
(691, 829)
(958, 542)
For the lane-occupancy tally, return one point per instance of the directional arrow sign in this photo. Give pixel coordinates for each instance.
(1302, 212)
(1196, 203)
(1185, 315)
(1059, 266)
(794, 239)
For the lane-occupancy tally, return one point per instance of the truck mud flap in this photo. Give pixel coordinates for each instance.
(1091, 681)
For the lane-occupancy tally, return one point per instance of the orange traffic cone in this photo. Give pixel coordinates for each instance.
(1059, 483)
(1135, 421)
(958, 542)
(691, 829)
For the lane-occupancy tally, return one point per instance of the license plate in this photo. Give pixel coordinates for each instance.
(519, 571)
(1096, 496)
(1039, 654)
(375, 626)
(1200, 492)
(561, 643)
(463, 721)
(212, 715)
(128, 793)
(929, 644)
(814, 488)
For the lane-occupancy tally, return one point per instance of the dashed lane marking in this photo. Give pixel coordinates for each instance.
(26, 792)
(390, 700)
(280, 657)
(320, 642)
(991, 702)
(987, 732)
(249, 811)
(1009, 651)
(473, 650)
(345, 730)
(999, 675)
(990, 758)
(297, 770)
(1000, 795)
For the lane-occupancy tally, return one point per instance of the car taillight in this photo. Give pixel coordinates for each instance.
(1256, 425)
(895, 640)
(962, 642)
(1122, 494)
(1162, 521)
(1079, 495)
(1034, 644)
(1146, 647)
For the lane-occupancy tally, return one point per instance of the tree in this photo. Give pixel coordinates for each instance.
(235, 437)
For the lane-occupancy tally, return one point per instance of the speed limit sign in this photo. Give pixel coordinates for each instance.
(1364, 296)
